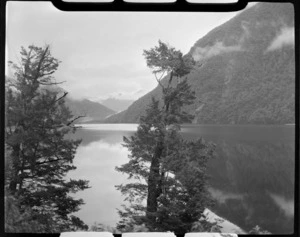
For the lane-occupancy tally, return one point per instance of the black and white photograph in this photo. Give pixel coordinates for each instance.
(126, 121)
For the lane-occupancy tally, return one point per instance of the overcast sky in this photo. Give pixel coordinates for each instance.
(101, 52)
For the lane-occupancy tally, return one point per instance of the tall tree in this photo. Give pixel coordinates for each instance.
(38, 153)
(170, 171)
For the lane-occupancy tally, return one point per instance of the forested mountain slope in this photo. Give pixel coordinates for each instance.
(245, 71)
(93, 111)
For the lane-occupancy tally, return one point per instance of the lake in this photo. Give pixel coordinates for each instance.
(251, 175)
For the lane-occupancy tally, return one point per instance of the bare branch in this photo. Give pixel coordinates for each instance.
(73, 120)
(76, 126)
(159, 79)
(49, 161)
(51, 83)
(159, 82)
(47, 74)
(63, 96)
(162, 74)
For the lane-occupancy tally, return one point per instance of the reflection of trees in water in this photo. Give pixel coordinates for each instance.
(248, 173)
(256, 209)
(255, 170)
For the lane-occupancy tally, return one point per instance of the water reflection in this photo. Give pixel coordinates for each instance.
(251, 176)
(254, 169)
(95, 162)
(112, 127)
(92, 132)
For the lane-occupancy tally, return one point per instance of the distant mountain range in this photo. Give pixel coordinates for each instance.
(245, 71)
(93, 111)
(96, 112)
(116, 104)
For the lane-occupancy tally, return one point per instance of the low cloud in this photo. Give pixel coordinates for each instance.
(287, 206)
(222, 197)
(216, 49)
(285, 37)
(120, 95)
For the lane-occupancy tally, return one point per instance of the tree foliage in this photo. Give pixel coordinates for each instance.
(257, 230)
(99, 227)
(23, 221)
(170, 189)
(38, 154)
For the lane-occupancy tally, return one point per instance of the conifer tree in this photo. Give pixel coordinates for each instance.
(170, 192)
(38, 154)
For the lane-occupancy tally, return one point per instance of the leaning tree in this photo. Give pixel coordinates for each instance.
(169, 192)
(38, 152)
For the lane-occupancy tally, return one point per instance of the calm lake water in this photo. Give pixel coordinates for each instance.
(251, 176)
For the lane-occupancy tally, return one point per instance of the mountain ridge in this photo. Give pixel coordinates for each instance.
(245, 72)
(93, 111)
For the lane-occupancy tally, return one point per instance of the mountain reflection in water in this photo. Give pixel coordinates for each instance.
(251, 176)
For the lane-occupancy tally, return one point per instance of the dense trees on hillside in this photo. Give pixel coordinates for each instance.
(169, 190)
(38, 155)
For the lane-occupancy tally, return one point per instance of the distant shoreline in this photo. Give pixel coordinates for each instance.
(195, 124)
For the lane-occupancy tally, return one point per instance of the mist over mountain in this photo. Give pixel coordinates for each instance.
(245, 72)
(116, 104)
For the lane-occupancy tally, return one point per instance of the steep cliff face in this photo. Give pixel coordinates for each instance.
(245, 71)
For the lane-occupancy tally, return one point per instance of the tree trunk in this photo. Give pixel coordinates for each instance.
(15, 156)
(13, 182)
(155, 176)
(154, 183)
(13, 186)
